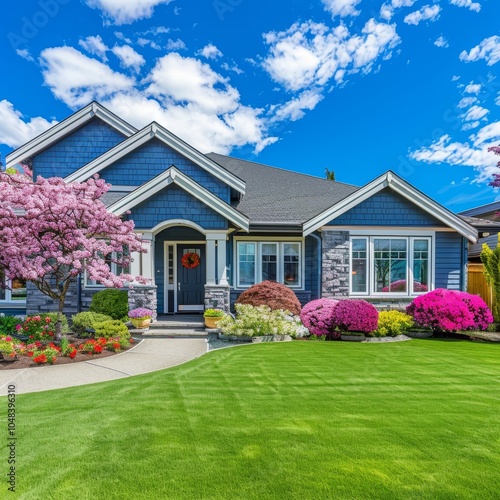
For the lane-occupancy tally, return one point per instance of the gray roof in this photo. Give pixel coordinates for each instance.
(112, 197)
(274, 195)
(481, 224)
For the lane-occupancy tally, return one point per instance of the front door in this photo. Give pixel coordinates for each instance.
(191, 276)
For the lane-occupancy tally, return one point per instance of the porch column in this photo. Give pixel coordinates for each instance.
(147, 259)
(216, 258)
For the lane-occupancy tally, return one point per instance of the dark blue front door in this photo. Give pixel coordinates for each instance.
(191, 281)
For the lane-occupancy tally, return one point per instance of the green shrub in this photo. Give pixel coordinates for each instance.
(392, 323)
(258, 321)
(111, 328)
(84, 320)
(53, 318)
(111, 302)
(8, 324)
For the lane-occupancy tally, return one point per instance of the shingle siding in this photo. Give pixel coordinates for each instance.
(312, 269)
(386, 208)
(153, 158)
(76, 150)
(450, 263)
(175, 203)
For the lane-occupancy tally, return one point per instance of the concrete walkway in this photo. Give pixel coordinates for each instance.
(148, 356)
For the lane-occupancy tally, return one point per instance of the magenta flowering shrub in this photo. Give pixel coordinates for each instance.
(449, 311)
(400, 286)
(355, 315)
(316, 316)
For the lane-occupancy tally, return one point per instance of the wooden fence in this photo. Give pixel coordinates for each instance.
(476, 284)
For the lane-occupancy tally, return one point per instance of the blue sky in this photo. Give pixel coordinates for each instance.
(355, 86)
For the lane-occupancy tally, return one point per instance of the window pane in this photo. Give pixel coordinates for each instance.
(18, 289)
(269, 261)
(390, 264)
(291, 264)
(359, 265)
(246, 264)
(420, 266)
(2, 281)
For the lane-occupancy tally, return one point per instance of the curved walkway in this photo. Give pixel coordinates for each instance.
(147, 356)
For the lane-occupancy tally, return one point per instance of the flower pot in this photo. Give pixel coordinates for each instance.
(211, 321)
(353, 336)
(141, 323)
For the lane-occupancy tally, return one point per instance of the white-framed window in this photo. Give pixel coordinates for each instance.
(13, 290)
(113, 266)
(279, 261)
(390, 265)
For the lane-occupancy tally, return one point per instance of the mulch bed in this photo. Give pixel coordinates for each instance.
(27, 362)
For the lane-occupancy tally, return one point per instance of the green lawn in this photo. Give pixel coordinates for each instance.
(297, 420)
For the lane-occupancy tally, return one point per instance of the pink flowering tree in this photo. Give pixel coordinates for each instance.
(51, 231)
(496, 177)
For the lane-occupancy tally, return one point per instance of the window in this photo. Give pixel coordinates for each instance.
(15, 290)
(390, 265)
(277, 261)
(113, 266)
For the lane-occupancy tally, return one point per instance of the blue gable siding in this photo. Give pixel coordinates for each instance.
(76, 150)
(175, 203)
(153, 158)
(450, 263)
(386, 208)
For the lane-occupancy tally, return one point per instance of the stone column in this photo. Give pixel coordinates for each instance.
(217, 297)
(143, 296)
(335, 264)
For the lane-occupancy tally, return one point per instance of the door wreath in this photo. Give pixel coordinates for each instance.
(190, 260)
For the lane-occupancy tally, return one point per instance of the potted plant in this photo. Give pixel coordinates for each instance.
(140, 317)
(212, 317)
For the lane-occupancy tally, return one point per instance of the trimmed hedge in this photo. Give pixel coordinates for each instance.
(88, 319)
(111, 302)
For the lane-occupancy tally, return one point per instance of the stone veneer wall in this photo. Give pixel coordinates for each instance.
(335, 264)
(217, 297)
(143, 296)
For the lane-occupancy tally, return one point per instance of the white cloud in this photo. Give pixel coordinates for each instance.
(128, 57)
(210, 51)
(173, 45)
(454, 78)
(294, 109)
(473, 153)
(441, 42)
(475, 6)
(14, 131)
(77, 79)
(466, 101)
(387, 9)
(309, 53)
(426, 13)
(470, 125)
(473, 88)
(232, 67)
(125, 11)
(488, 49)
(474, 113)
(25, 54)
(95, 45)
(341, 8)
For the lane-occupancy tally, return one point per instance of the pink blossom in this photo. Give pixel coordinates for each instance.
(316, 316)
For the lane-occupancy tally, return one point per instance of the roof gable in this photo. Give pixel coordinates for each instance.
(152, 131)
(406, 190)
(175, 176)
(65, 128)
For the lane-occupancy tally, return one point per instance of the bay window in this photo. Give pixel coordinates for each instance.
(390, 265)
(277, 261)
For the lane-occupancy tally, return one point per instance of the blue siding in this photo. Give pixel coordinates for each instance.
(76, 150)
(449, 265)
(175, 203)
(386, 208)
(312, 253)
(152, 159)
(9, 311)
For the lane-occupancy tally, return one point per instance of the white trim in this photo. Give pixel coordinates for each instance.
(175, 222)
(398, 185)
(258, 262)
(173, 175)
(388, 229)
(154, 130)
(66, 127)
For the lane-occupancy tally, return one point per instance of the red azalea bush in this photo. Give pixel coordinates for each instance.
(37, 328)
(316, 316)
(449, 311)
(355, 315)
(271, 294)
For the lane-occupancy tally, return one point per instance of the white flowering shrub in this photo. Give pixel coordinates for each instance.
(253, 321)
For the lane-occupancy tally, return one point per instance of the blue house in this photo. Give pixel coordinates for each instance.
(214, 225)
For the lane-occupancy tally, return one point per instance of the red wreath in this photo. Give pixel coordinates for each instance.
(190, 260)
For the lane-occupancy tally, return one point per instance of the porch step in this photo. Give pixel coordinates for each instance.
(179, 326)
